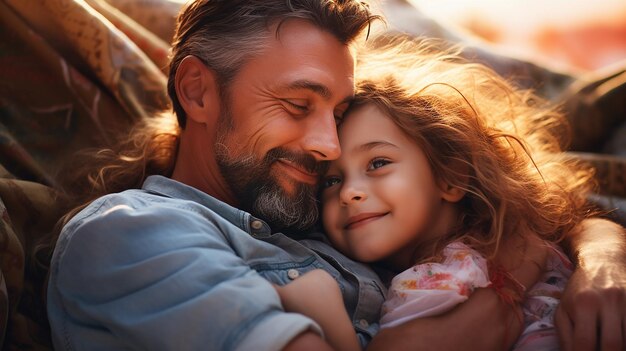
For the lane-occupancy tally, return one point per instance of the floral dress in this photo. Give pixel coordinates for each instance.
(430, 289)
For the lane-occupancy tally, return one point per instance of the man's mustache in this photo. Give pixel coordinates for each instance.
(300, 159)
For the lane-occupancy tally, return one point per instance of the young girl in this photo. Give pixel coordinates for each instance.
(443, 165)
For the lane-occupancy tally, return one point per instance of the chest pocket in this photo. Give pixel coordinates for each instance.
(282, 273)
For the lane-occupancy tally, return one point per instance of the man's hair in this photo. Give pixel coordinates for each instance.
(224, 34)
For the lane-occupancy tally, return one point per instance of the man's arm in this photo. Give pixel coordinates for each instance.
(484, 322)
(158, 278)
(592, 314)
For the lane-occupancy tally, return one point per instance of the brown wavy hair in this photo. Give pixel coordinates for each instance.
(501, 145)
(225, 34)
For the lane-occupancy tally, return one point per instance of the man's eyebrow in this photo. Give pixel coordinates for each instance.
(317, 88)
(375, 144)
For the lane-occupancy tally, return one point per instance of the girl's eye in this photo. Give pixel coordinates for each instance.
(330, 181)
(338, 120)
(377, 163)
(339, 114)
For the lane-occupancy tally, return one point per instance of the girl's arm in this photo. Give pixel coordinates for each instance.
(592, 313)
(316, 295)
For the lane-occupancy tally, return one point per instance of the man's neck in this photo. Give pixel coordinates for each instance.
(196, 165)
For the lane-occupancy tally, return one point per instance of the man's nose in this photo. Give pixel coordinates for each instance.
(321, 138)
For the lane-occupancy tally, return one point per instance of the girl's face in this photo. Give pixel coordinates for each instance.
(380, 198)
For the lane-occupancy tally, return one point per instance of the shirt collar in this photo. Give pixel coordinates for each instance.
(171, 188)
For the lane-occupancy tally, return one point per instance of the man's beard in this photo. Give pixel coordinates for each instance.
(258, 192)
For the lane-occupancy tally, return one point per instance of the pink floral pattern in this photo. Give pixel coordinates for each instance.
(433, 288)
(430, 289)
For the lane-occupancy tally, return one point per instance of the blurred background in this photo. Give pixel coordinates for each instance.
(572, 34)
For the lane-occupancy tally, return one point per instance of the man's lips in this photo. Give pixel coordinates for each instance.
(363, 218)
(297, 172)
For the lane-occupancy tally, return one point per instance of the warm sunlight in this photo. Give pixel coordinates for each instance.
(584, 34)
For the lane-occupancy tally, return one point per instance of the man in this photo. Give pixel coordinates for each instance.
(258, 87)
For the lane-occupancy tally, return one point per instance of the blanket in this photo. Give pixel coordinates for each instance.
(77, 73)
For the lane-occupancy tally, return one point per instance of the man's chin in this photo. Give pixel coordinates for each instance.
(273, 194)
(290, 206)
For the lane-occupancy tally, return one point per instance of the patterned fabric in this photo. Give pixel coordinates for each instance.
(431, 289)
(73, 74)
(69, 78)
(29, 210)
(541, 303)
(77, 73)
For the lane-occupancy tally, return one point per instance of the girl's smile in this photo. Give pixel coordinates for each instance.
(363, 219)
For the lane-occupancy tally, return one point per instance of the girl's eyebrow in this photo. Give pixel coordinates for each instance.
(375, 144)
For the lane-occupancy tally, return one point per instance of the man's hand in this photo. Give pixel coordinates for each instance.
(592, 313)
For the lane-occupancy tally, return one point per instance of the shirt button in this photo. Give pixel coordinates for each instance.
(363, 323)
(257, 225)
(293, 274)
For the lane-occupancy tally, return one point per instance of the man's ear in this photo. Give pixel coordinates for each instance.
(197, 90)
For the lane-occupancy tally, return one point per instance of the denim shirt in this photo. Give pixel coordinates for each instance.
(169, 267)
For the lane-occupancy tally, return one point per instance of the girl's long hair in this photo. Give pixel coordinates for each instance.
(501, 145)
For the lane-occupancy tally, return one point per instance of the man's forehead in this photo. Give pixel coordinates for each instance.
(307, 58)
(295, 32)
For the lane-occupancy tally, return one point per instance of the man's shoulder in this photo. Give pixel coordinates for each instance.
(137, 213)
(135, 199)
(135, 225)
(137, 202)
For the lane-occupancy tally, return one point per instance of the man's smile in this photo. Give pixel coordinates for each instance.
(297, 172)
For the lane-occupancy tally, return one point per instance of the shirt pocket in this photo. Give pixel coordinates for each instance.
(282, 273)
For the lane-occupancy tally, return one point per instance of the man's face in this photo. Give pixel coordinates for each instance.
(278, 123)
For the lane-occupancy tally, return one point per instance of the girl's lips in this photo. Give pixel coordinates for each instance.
(362, 219)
